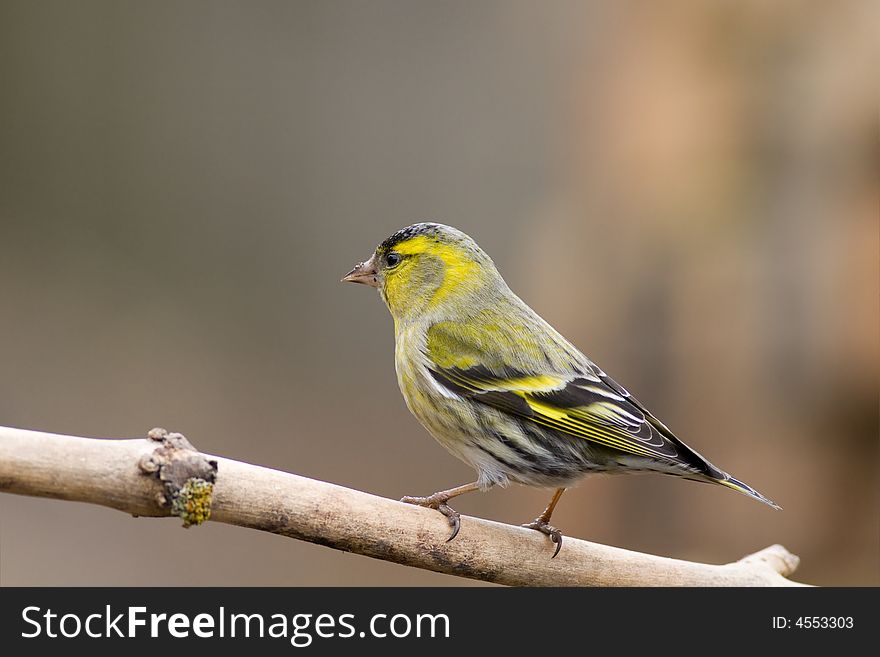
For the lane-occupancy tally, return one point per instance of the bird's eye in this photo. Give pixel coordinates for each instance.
(393, 259)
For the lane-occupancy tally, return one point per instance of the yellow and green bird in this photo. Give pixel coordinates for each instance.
(500, 388)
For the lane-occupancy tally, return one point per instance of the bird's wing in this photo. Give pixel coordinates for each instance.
(495, 364)
(584, 403)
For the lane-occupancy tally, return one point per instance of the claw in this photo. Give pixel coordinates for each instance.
(548, 530)
(556, 537)
(454, 518)
(439, 504)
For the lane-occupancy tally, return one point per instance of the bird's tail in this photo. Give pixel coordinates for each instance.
(704, 471)
(726, 480)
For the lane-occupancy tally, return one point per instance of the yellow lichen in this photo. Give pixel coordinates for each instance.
(193, 502)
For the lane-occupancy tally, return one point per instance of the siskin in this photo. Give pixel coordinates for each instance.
(499, 388)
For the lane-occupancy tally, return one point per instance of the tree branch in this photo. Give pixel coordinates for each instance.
(163, 475)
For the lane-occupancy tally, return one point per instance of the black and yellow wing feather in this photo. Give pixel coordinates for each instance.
(579, 401)
(589, 406)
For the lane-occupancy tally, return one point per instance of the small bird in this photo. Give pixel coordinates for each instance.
(500, 388)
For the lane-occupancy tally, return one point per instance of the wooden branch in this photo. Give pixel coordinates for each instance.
(154, 477)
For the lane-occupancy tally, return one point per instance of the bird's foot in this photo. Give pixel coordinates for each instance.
(541, 525)
(438, 501)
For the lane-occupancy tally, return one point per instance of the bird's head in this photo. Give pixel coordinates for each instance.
(428, 268)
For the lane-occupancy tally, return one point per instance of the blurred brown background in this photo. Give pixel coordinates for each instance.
(687, 190)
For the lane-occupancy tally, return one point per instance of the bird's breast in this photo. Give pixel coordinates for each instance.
(433, 405)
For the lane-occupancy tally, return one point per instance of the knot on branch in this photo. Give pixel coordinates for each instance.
(187, 476)
(776, 558)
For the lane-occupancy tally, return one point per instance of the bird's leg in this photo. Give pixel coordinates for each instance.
(542, 522)
(439, 501)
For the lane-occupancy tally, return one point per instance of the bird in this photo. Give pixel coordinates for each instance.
(501, 389)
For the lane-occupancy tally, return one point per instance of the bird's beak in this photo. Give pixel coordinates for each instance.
(364, 272)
